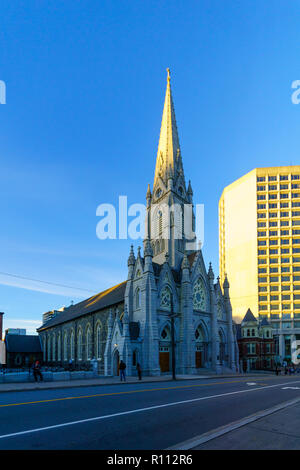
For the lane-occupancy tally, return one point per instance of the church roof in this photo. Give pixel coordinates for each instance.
(104, 299)
(249, 316)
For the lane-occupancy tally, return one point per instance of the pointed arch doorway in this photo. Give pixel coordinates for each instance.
(164, 350)
(201, 347)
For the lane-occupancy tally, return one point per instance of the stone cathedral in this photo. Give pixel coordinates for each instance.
(132, 321)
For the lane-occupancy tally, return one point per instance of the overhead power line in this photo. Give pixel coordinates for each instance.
(46, 282)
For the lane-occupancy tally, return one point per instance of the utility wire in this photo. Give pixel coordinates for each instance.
(46, 282)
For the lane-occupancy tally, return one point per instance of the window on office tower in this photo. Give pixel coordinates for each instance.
(272, 196)
(295, 195)
(296, 204)
(284, 186)
(285, 269)
(284, 204)
(284, 177)
(284, 232)
(261, 224)
(284, 214)
(273, 288)
(272, 187)
(272, 215)
(261, 206)
(262, 289)
(285, 251)
(273, 233)
(272, 178)
(260, 178)
(295, 185)
(295, 213)
(273, 205)
(273, 242)
(273, 251)
(295, 177)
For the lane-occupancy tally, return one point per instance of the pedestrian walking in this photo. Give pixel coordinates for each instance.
(37, 371)
(122, 368)
(139, 371)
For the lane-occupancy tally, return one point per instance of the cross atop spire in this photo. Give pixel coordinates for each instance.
(168, 161)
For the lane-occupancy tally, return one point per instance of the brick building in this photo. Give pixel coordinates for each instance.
(256, 343)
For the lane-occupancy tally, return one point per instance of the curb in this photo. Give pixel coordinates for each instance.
(196, 441)
(59, 385)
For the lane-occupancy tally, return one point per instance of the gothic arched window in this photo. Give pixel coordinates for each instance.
(65, 347)
(72, 344)
(98, 341)
(59, 347)
(88, 343)
(79, 345)
(199, 295)
(53, 347)
(165, 298)
(138, 298)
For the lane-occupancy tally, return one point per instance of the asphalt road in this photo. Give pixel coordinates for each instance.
(137, 416)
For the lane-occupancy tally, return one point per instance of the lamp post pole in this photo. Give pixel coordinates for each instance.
(172, 315)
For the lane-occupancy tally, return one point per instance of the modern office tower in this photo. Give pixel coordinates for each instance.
(259, 249)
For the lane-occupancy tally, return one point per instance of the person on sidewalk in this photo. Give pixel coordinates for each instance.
(139, 371)
(37, 371)
(122, 368)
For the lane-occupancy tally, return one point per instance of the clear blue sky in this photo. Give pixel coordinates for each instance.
(85, 89)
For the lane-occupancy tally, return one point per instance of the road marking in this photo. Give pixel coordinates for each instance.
(251, 383)
(209, 436)
(139, 410)
(49, 400)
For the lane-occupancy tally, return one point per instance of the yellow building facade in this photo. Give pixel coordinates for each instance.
(259, 248)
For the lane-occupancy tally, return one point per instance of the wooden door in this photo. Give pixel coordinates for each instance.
(164, 361)
(198, 359)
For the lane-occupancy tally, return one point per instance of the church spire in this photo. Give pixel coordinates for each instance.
(168, 161)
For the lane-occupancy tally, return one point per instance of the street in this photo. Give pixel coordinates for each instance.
(134, 416)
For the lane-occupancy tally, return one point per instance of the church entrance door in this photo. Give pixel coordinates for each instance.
(198, 359)
(164, 359)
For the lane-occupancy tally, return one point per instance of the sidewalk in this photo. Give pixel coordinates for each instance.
(23, 386)
(277, 431)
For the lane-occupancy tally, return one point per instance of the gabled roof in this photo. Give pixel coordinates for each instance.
(265, 322)
(23, 343)
(99, 301)
(249, 317)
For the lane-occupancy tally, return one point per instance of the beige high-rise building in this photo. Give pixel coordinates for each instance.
(259, 248)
